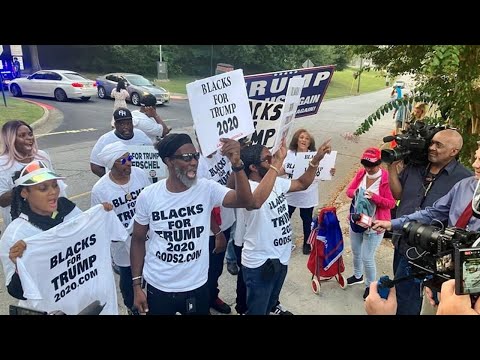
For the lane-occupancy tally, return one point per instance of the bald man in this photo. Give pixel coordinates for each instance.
(419, 186)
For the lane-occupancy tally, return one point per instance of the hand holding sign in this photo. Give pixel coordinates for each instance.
(231, 149)
(280, 155)
(323, 149)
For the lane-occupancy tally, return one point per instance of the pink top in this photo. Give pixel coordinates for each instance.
(384, 200)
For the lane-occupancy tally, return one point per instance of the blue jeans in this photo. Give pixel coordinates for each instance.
(364, 245)
(262, 294)
(409, 298)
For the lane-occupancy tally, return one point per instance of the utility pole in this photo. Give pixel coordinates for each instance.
(160, 50)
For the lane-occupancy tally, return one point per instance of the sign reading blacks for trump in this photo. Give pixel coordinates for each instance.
(69, 266)
(273, 87)
(220, 109)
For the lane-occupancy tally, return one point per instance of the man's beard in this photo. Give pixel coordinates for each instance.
(184, 179)
(262, 171)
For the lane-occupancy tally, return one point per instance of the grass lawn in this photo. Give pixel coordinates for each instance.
(19, 110)
(176, 85)
(342, 83)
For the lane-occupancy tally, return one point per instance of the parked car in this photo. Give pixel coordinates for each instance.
(60, 84)
(137, 86)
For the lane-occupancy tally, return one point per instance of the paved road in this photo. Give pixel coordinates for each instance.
(71, 152)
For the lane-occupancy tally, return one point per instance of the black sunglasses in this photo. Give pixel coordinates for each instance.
(187, 157)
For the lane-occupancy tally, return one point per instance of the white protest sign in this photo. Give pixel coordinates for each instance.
(68, 266)
(145, 157)
(323, 172)
(220, 109)
(292, 100)
(266, 118)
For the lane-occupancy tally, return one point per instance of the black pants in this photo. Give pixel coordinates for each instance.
(194, 302)
(215, 267)
(306, 215)
(241, 300)
(126, 287)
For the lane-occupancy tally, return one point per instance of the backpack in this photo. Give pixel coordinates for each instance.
(360, 205)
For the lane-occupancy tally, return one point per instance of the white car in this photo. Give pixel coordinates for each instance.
(60, 84)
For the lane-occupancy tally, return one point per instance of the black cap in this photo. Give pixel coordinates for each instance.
(148, 100)
(122, 114)
(170, 143)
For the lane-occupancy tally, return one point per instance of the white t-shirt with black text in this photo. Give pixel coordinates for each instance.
(268, 233)
(68, 267)
(302, 199)
(177, 256)
(217, 168)
(105, 190)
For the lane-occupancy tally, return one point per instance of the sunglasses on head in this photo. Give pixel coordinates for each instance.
(187, 157)
(124, 160)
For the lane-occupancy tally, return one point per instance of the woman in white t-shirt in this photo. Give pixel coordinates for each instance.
(19, 147)
(120, 94)
(307, 199)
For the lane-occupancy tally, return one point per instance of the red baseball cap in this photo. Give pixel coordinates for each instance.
(372, 155)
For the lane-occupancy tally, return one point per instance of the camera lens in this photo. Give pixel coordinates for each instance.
(389, 156)
(421, 236)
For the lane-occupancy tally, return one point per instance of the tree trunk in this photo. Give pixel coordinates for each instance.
(34, 58)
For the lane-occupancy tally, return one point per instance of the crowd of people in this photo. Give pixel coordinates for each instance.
(169, 238)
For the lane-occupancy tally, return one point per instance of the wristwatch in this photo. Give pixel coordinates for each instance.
(238, 168)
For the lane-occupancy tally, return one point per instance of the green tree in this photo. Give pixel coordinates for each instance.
(447, 76)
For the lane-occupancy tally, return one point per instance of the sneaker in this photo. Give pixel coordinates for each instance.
(306, 249)
(365, 294)
(352, 280)
(232, 268)
(280, 310)
(220, 306)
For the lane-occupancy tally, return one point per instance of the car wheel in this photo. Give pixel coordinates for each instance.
(60, 95)
(135, 99)
(15, 90)
(85, 98)
(102, 94)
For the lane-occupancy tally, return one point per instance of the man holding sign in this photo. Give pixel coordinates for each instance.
(176, 214)
(267, 229)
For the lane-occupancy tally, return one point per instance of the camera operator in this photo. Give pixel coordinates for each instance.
(450, 304)
(417, 187)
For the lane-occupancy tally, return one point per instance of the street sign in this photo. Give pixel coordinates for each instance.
(308, 63)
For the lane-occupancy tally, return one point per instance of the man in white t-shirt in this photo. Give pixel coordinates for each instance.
(123, 132)
(176, 214)
(148, 120)
(121, 187)
(266, 227)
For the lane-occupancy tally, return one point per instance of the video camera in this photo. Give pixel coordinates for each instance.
(412, 145)
(449, 253)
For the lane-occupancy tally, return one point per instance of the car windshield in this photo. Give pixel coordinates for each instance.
(138, 80)
(74, 76)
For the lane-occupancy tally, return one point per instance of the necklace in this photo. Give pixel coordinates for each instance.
(128, 195)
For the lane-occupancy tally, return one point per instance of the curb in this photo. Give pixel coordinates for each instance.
(178, 97)
(46, 113)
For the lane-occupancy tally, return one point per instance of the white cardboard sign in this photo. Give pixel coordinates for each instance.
(323, 172)
(220, 109)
